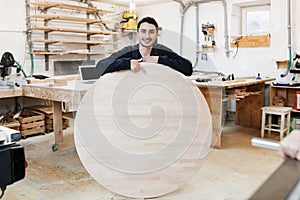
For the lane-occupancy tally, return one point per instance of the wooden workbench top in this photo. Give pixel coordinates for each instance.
(233, 83)
(11, 92)
(73, 91)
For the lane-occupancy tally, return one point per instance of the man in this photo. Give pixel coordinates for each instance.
(290, 145)
(146, 51)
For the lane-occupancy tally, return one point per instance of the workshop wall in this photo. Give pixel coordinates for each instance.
(12, 29)
(13, 35)
(249, 61)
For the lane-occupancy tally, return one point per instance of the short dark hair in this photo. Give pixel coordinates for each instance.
(149, 20)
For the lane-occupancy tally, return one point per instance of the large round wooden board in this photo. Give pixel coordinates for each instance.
(143, 134)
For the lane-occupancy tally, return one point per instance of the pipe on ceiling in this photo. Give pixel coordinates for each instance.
(186, 6)
(289, 27)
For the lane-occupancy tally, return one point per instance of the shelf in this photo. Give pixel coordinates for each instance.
(78, 52)
(54, 18)
(67, 18)
(73, 42)
(47, 5)
(65, 30)
(251, 41)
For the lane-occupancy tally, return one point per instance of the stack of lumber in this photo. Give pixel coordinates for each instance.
(240, 93)
(9, 119)
(31, 122)
(47, 111)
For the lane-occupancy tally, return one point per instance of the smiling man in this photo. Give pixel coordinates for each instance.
(145, 51)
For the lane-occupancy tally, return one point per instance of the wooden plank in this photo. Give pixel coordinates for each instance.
(62, 93)
(49, 121)
(65, 124)
(78, 52)
(57, 122)
(282, 64)
(245, 82)
(32, 125)
(33, 131)
(252, 41)
(30, 116)
(46, 110)
(69, 115)
(13, 92)
(213, 97)
(66, 30)
(74, 42)
(234, 83)
(48, 4)
(13, 125)
(248, 110)
(73, 19)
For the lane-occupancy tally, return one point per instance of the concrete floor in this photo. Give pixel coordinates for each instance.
(233, 172)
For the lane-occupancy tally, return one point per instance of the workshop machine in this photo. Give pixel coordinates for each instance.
(12, 158)
(7, 80)
(294, 68)
(296, 64)
(130, 20)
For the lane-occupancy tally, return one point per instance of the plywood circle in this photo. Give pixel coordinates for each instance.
(143, 134)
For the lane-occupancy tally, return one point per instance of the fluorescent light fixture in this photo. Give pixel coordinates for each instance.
(132, 6)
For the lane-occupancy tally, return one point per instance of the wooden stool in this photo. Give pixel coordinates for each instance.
(284, 112)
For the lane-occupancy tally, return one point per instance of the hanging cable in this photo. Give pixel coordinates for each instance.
(237, 49)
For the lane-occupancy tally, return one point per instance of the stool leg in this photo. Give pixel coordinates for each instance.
(282, 126)
(270, 124)
(288, 123)
(263, 124)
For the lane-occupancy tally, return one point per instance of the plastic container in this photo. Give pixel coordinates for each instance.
(298, 100)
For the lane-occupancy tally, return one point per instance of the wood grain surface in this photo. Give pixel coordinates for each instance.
(143, 135)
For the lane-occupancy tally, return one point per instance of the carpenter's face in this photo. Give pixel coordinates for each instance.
(147, 34)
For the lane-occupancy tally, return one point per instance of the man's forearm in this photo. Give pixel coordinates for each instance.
(112, 63)
(179, 64)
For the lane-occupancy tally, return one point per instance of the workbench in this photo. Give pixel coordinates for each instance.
(70, 94)
(249, 94)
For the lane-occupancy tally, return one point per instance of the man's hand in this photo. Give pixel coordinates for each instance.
(150, 59)
(290, 145)
(135, 65)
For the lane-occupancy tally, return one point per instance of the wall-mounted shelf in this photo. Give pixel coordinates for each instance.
(68, 18)
(47, 5)
(78, 52)
(73, 42)
(251, 41)
(52, 21)
(69, 30)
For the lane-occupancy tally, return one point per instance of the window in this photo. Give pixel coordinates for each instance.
(256, 20)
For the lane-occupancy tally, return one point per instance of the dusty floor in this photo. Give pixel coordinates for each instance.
(233, 172)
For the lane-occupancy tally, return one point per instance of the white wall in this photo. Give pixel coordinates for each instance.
(12, 29)
(13, 35)
(249, 61)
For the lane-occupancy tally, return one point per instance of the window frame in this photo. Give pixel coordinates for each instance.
(254, 8)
